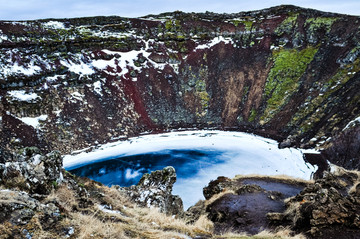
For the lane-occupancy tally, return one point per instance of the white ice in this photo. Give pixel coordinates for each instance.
(244, 154)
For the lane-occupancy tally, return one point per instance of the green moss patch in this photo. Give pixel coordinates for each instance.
(283, 79)
(315, 24)
(287, 25)
(314, 108)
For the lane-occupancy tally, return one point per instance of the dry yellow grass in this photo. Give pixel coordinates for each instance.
(64, 196)
(281, 234)
(217, 196)
(281, 177)
(126, 220)
(89, 226)
(353, 188)
(340, 171)
(204, 223)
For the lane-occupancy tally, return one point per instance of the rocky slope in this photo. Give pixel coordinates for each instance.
(39, 199)
(326, 208)
(287, 73)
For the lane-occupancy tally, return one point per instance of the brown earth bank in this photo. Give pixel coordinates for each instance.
(287, 73)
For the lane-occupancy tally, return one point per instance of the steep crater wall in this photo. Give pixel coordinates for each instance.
(284, 72)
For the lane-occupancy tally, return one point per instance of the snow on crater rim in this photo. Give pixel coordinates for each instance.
(28, 70)
(54, 25)
(78, 68)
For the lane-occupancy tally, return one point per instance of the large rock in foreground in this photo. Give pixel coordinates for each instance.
(30, 171)
(154, 190)
(329, 208)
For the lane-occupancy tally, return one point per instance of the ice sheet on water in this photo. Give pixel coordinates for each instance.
(241, 153)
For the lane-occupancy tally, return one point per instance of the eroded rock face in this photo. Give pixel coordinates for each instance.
(32, 172)
(280, 72)
(155, 190)
(17, 207)
(344, 149)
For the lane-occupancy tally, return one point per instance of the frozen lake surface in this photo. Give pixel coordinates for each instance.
(197, 156)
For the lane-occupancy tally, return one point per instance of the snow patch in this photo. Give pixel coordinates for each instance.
(125, 61)
(3, 37)
(97, 87)
(214, 42)
(352, 123)
(76, 95)
(36, 159)
(54, 25)
(78, 68)
(22, 95)
(33, 121)
(107, 210)
(30, 69)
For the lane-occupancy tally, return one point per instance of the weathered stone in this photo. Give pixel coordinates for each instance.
(17, 207)
(322, 207)
(275, 217)
(251, 207)
(155, 190)
(32, 172)
(216, 186)
(316, 214)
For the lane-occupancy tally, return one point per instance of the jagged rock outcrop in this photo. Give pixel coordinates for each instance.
(326, 208)
(329, 208)
(18, 208)
(31, 172)
(284, 72)
(26, 179)
(155, 190)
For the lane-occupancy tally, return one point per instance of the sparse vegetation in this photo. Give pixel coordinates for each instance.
(284, 77)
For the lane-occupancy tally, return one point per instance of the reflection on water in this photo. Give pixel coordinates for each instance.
(127, 170)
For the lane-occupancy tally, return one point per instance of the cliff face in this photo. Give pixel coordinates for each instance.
(283, 72)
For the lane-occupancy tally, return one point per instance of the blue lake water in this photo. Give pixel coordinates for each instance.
(127, 170)
(198, 157)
